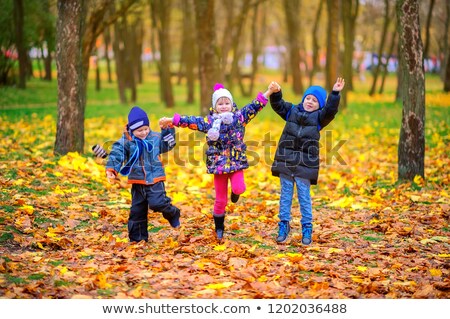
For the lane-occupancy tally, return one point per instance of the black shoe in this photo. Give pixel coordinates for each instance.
(234, 197)
(175, 219)
(219, 226)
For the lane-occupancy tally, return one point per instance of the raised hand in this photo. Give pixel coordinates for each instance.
(274, 87)
(339, 85)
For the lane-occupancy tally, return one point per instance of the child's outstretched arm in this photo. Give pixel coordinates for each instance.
(328, 113)
(197, 123)
(281, 107)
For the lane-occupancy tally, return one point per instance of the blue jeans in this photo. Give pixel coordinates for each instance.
(304, 198)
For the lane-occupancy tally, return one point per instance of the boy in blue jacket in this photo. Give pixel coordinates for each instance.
(297, 155)
(137, 155)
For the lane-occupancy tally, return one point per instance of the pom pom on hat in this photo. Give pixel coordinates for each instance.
(220, 91)
(218, 86)
(137, 118)
(319, 92)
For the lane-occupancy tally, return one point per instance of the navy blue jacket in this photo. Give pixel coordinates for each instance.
(297, 153)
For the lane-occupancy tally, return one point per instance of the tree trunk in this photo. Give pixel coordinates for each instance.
(332, 64)
(71, 100)
(411, 149)
(350, 10)
(160, 10)
(49, 38)
(257, 43)
(376, 72)
(445, 73)
(188, 51)
(292, 10)
(315, 44)
(20, 42)
(426, 48)
(205, 25)
(120, 59)
(390, 54)
(107, 37)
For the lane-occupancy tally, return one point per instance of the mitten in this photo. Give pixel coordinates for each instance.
(169, 139)
(99, 151)
(227, 117)
(214, 132)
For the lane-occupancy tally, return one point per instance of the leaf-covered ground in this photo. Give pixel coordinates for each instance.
(63, 227)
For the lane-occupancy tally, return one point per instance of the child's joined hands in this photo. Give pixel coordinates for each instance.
(274, 87)
(165, 122)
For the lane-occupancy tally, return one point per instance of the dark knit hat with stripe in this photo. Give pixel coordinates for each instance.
(137, 118)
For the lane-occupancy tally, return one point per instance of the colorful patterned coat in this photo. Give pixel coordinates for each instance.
(228, 153)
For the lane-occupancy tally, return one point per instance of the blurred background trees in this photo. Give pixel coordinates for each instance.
(197, 43)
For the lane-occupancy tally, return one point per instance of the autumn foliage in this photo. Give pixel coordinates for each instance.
(63, 226)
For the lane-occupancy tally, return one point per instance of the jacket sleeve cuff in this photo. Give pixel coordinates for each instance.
(176, 119)
(261, 98)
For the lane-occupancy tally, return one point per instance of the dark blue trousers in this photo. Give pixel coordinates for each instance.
(144, 197)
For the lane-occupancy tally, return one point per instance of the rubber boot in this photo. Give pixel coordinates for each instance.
(219, 224)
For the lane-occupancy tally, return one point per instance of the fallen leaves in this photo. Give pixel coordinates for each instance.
(63, 227)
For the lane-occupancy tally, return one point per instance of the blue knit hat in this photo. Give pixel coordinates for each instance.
(319, 92)
(137, 118)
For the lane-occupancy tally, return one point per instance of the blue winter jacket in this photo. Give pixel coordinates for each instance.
(148, 169)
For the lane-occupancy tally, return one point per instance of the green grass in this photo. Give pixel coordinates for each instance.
(40, 99)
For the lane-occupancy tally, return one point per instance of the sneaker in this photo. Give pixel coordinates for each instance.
(175, 220)
(306, 234)
(234, 197)
(283, 232)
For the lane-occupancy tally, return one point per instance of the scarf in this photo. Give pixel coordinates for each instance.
(142, 145)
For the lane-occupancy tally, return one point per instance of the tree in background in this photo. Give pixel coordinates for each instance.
(160, 13)
(350, 9)
(20, 42)
(206, 42)
(411, 148)
(333, 57)
(70, 28)
(292, 10)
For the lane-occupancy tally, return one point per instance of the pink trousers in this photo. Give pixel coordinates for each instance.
(221, 185)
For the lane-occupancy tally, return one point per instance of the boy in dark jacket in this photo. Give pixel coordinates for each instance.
(137, 155)
(297, 156)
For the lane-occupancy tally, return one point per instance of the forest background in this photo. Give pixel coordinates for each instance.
(63, 227)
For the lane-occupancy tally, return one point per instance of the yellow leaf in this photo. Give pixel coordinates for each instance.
(220, 285)
(419, 180)
(27, 209)
(94, 214)
(415, 198)
(361, 268)
(63, 270)
(357, 279)
(252, 249)
(122, 240)
(435, 272)
(220, 247)
(444, 255)
(18, 182)
(102, 281)
(334, 250)
(263, 278)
